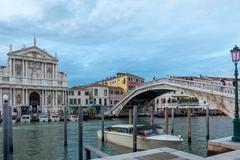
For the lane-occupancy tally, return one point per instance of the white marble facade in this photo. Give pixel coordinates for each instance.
(31, 78)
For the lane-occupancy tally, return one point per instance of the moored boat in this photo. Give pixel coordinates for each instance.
(54, 118)
(25, 118)
(73, 117)
(148, 137)
(43, 118)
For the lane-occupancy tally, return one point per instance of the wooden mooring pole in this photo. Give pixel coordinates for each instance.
(166, 117)
(102, 122)
(80, 133)
(134, 128)
(172, 131)
(152, 116)
(207, 122)
(130, 116)
(189, 126)
(6, 145)
(10, 129)
(65, 126)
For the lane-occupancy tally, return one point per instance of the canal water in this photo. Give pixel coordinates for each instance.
(44, 141)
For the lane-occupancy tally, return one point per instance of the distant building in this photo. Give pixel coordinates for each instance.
(115, 95)
(126, 81)
(78, 96)
(32, 81)
(99, 94)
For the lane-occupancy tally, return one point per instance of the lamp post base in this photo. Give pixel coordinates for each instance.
(236, 130)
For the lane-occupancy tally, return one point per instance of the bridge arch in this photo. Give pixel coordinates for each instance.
(216, 95)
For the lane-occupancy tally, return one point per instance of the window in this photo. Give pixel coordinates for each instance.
(94, 101)
(79, 93)
(86, 101)
(111, 102)
(157, 101)
(75, 101)
(79, 101)
(71, 93)
(96, 92)
(86, 93)
(105, 101)
(124, 81)
(111, 92)
(100, 101)
(115, 102)
(105, 92)
(71, 102)
(121, 92)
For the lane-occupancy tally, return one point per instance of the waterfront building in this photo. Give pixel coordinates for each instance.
(99, 94)
(32, 81)
(78, 96)
(126, 81)
(115, 95)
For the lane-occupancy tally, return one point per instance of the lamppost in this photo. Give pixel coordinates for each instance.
(236, 122)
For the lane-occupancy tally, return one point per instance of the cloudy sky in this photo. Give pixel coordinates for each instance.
(95, 39)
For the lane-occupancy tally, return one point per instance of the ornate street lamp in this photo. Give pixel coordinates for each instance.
(236, 122)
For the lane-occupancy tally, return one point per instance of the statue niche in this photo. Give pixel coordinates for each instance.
(19, 99)
(18, 68)
(34, 69)
(59, 99)
(49, 71)
(49, 100)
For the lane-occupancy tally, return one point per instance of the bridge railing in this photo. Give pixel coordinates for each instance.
(213, 86)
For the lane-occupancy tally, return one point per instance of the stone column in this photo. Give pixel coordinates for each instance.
(10, 96)
(26, 96)
(52, 71)
(23, 101)
(10, 66)
(56, 98)
(42, 98)
(14, 73)
(14, 96)
(56, 71)
(23, 71)
(45, 70)
(42, 70)
(26, 69)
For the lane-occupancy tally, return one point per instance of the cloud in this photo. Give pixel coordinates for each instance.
(97, 38)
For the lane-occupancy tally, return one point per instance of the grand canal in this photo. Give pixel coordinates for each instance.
(45, 140)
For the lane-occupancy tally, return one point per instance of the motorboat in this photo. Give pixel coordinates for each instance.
(43, 118)
(54, 118)
(25, 118)
(148, 136)
(73, 117)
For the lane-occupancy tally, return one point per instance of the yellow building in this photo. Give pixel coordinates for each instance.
(126, 81)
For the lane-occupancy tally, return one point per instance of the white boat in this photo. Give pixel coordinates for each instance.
(73, 117)
(43, 118)
(25, 118)
(54, 118)
(148, 137)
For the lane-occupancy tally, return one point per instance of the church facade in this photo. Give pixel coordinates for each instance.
(32, 82)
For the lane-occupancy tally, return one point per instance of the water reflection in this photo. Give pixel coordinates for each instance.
(45, 140)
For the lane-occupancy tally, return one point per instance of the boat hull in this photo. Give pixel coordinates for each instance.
(126, 140)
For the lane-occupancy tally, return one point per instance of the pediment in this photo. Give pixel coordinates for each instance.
(33, 52)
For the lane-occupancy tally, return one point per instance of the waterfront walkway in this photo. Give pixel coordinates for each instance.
(171, 154)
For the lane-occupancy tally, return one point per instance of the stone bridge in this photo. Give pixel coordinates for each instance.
(216, 95)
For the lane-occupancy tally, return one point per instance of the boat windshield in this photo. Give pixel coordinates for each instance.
(150, 132)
